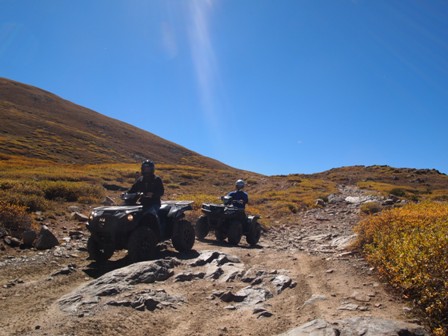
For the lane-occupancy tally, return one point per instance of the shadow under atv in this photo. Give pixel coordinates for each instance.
(224, 243)
(96, 269)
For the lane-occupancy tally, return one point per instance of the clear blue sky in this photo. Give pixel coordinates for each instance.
(270, 86)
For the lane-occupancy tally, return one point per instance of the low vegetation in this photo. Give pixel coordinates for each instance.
(370, 208)
(39, 185)
(409, 246)
(287, 195)
(14, 219)
(415, 192)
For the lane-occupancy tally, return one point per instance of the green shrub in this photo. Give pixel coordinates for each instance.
(370, 208)
(87, 199)
(292, 208)
(71, 191)
(398, 192)
(60, 191)
(441, 198)
(6, 185)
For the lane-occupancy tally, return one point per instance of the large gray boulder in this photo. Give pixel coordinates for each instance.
(118, 287)
(45, 239)
(366, 326)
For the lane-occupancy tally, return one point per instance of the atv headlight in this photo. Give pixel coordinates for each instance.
(130, 217)
(92, 216)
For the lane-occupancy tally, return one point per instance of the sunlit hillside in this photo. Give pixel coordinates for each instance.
(38, 124)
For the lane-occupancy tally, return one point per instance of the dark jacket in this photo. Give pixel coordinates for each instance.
(147, 184)
(239, 195)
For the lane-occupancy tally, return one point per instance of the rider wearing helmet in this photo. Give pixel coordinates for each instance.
(150, 185)
(239, 197)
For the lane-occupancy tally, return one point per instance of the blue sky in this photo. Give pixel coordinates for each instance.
(270, 86)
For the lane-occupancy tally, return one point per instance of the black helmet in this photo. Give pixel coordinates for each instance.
(148, 167)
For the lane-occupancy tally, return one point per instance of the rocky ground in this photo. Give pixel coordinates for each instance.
(299, 280)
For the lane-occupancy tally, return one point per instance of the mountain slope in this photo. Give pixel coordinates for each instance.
(39, 124)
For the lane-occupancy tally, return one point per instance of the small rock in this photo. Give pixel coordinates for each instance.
(12, 241)
(28, 238)
(348, 306)
(265, 314)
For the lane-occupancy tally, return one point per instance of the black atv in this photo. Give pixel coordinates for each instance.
(137, 229)
(228, 221)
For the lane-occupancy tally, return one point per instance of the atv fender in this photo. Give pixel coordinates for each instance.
(177, 213)
(252, 219)
(249, 223)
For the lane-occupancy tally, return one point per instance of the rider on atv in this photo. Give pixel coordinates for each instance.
(239, 197)
(151, 186)
(140, 224)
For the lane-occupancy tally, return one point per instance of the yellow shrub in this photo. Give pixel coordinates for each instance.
(14, 219)
(409, 246)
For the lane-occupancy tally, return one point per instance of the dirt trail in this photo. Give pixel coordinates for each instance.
(327, 283)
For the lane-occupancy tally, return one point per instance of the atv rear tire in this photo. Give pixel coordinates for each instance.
(142, 244)
(183, 236)
(234, 232)
(220, 235)
(202, 228)
(97, 252)
(254, 234)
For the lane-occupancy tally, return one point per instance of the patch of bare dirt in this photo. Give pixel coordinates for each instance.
(327, 282)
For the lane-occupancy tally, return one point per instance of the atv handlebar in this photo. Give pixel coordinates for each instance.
(133, 198)
(228, 200)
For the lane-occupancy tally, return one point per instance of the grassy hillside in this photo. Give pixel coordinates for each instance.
(409, 183)
(39, 124)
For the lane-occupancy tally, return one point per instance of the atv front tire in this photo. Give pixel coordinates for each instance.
(98, 252)
(142, 244)
(202, 228)
(234, 232)
(183, 236)
(254, 234)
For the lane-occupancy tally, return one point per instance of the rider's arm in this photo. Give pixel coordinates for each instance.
(134, 188)
(159, 190)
